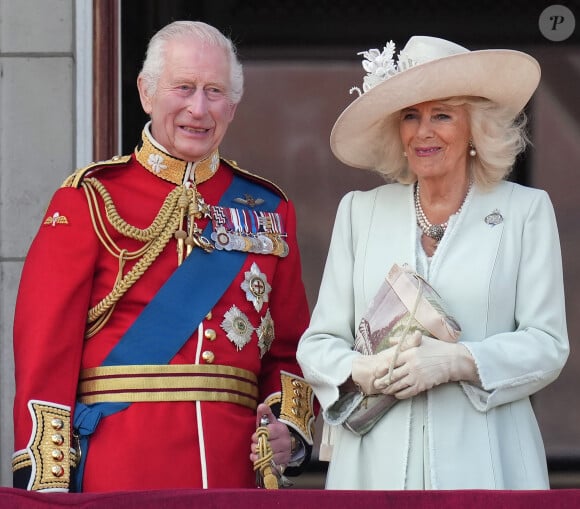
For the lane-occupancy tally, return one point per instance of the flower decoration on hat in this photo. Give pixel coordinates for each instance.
(380, 66)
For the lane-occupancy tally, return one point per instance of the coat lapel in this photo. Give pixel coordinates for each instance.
(383, 222)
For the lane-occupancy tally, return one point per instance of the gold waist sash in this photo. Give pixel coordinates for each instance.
(175, 382)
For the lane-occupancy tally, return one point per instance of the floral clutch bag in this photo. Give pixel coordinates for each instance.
(404, 304)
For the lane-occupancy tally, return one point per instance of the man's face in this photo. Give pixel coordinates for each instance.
(190, 109)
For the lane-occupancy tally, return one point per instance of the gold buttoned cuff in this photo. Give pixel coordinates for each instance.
(296, 405)
(49, 453)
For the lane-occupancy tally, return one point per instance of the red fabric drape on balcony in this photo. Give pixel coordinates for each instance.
(293, 499)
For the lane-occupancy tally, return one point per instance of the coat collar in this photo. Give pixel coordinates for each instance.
(158, 161)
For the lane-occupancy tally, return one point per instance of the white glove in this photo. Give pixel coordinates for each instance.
(432, 363)
(367, 368)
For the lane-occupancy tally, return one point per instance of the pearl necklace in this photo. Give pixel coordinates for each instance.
(434, 231)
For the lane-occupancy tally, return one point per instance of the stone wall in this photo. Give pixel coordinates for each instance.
(37, 151)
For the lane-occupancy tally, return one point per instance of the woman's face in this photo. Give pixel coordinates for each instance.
(435, 137)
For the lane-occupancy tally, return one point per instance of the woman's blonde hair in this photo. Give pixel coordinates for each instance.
(497, 137)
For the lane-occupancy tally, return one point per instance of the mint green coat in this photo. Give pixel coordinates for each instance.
(504, 285)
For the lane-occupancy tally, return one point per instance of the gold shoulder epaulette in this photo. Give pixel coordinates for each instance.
(257, 178)
(75, 179)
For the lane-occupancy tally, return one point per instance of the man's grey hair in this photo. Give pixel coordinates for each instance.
(155, 56)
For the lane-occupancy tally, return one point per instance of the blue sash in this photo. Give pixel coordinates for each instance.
(174, 313)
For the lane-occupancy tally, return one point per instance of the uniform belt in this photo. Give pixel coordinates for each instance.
(174, 382)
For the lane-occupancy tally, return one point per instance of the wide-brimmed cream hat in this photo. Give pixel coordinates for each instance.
(427, 68)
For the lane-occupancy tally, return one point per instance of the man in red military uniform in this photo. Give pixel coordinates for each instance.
(161, 303)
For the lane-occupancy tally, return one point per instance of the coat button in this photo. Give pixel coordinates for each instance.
(57, 439)
(208, 316)
(57, 471)
(57, 424)
(57, 455)
(208, 356)
(210, 334)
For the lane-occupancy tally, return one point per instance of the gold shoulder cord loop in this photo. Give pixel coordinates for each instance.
(156, 237)
(144, 235)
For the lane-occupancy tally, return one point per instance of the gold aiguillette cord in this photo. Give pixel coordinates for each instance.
(263, 466)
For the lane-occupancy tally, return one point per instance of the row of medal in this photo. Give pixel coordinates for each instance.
(248, 231)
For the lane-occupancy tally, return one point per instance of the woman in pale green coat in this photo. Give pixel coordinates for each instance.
(444, 125)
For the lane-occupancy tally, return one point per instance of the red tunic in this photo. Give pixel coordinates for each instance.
(150, 445)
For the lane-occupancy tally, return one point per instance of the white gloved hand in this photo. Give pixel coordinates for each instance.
(367, 368)
(432, 363)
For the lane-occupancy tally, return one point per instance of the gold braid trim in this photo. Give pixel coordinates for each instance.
(263, 465)
(179, 382)
(156, 237)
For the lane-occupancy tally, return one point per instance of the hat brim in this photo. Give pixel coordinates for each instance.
(507, 77)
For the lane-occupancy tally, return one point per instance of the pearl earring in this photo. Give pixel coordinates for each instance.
(404, 154)
(472, 151)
